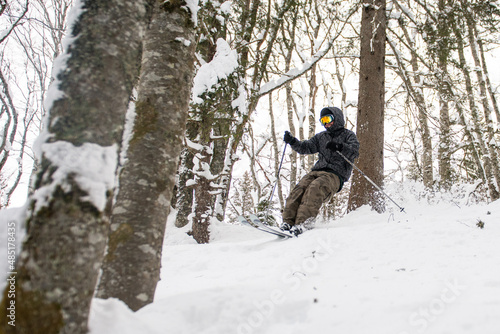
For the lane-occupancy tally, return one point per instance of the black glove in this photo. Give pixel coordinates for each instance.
(335, 147)
(289, 139)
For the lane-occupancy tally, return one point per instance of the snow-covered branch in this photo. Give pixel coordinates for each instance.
(297, 72)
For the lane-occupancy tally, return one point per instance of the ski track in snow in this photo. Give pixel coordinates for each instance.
(429, 271)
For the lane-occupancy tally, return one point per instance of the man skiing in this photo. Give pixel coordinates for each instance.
(328, 174)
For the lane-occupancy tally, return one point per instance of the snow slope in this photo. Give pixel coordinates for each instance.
(431, 270)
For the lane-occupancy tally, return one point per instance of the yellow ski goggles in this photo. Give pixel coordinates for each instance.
(326, 119)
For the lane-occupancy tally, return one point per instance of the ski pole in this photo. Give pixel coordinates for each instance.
(373, 183)
(276, 183)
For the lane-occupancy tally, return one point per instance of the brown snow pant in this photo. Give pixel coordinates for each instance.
(306, 198)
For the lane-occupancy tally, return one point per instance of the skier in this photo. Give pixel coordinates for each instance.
(328, 174)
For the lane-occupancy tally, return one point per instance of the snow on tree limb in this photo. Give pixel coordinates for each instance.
(210, 74)
(305, 66)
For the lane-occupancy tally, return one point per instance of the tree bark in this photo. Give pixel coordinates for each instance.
(312, 117)
(293, 154)
(419, 99)
(313, 86)
(370, 120)
(131, 268)
(415, 90)
(67, 223)
(490, 127)
(203, 199)
(183, 196)
(277, 156)
(478, 141)
(210, 29)
(443, 52)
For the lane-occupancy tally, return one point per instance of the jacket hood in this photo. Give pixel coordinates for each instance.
(338, 115)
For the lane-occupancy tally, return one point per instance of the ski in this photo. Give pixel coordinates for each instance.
(255, 222)
(306, 226)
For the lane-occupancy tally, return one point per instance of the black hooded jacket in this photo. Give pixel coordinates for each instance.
(328, 160)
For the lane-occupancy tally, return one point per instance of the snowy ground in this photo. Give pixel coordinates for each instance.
(431, 270)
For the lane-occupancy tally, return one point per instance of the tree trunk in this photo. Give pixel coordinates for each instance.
(491, 91)
(415, 91)
(218, 166)
(486, 163)
(444, 154)
(427, 172)
(210, 29)
(443, 52)
(131, 268)
(290, 44)
(293, 154)
(203, 202)
(183, 197)
(370, 120)
(491, 94)
(277, 155)
(68, 220)
(313, 86)
(313, 90)
(490, 127)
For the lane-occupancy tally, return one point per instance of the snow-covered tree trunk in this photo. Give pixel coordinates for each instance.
(203, 199)
(419, 99)
(67, 222)
(312, 113)
(487, 110)
(476, 126)
(415, 88)
(218, 166)
(182, 200)
(210, 30)
(443, 51)
(291, 126)
(491, 90)
(277, 156)
(471, 143)
(131, 268)
(215, 118)
(494, 143)
(313, 34)
(444, 152)
(370, 120)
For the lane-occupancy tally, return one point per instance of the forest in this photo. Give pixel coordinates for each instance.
(115, 113)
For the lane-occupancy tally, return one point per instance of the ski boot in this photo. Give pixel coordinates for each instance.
(295, 230)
